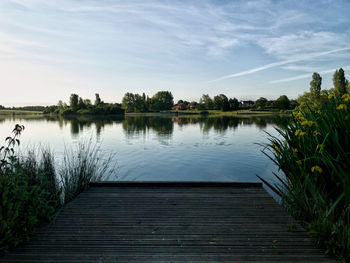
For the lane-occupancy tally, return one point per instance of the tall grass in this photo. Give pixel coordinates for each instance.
(80, 167)
(313, 151)
(33, 186)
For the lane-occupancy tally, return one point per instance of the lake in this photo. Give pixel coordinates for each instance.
(160, 148)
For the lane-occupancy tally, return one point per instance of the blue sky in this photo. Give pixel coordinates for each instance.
(244, 49)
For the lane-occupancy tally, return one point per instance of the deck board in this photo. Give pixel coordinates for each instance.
(170, 222)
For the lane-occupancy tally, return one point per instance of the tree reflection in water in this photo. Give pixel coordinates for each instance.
(162, 126)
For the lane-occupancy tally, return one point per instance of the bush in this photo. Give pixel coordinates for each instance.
(314, 154)
(29, 189)
(66, 112)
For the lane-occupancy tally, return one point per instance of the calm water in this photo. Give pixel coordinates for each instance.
(159, 147)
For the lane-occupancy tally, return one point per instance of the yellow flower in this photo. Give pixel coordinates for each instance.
(299, 132)
(308, 123)
(299, 162)
(317, 133)
(330, 96)
(316, 168)
(346, 97)
(342, 107)
(319, 112)
(295, 150)
(301, 119)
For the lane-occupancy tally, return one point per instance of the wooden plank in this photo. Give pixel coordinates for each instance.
(170, 222)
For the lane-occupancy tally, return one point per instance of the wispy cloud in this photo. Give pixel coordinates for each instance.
(280, 63)
(146, 45)
(304, 76)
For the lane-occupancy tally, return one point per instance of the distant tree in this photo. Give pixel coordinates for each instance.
(138, 103)
(234, 104)
(180, 101)
(97, 99)
(261, 102)
(206, 102)
(339, 81)
(282, 102)
(162, 100)
(81, 104)
(73, 101)
(60, 104)
(128, 102)
(221, 102)
(2, 107)
(315, 86)
(87, 103)
(293, 104)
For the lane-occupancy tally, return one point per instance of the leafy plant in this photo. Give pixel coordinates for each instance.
(313, 152)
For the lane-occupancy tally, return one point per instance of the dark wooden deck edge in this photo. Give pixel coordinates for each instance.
(176, 183)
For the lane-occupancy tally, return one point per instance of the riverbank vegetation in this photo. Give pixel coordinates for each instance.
(80, 106)
(33, 187)
(313, 151)
(18, 112)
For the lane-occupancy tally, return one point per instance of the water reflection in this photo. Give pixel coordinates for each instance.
(162, 126)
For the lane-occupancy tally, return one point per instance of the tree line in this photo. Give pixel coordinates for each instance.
(161, 101)
(78, 105)
(318, 97)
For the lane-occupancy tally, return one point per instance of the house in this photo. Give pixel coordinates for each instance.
(180, 106)
(193, 105)
(245, 103)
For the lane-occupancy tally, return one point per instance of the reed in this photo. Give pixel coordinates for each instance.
(313, 152)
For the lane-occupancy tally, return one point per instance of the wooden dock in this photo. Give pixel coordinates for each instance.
(170, 222)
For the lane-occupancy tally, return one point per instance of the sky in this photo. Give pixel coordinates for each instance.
(243, 49)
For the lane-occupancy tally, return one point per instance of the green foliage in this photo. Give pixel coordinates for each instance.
(340, 83)
(234, 104)
(261, 102)
(206, 102)
(67, 112)
(315, 86)
(29, 190)
(282, 103)
(162, 100)
(82, 106)
(80, 167)
(98, 100)
(313, 151)
(221, 102)
(73, 102)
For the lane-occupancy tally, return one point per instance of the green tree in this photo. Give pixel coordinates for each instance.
(206, 102)
(60, 104)
(315, 87)
(282, 103)
(73, 101)
(138, 103)
(81, 104)
(234, 104)
(221, 102)
(339, 81)
(128, 102)
(97, 99)
(162, 100)
(87, 103)
(261, 102)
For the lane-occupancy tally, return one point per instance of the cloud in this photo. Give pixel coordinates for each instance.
(280, 63)
(304, 76)
(303, 42)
